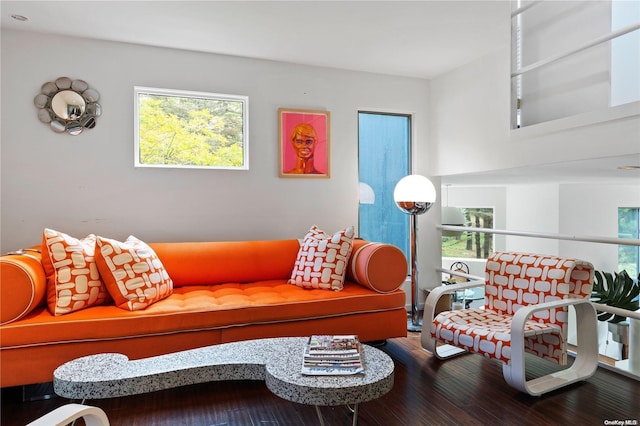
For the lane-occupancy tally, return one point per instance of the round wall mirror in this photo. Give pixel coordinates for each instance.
(68, 105)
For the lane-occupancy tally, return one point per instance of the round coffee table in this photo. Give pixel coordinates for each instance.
(285, 380)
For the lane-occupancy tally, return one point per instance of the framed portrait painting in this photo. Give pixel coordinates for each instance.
(304, 143)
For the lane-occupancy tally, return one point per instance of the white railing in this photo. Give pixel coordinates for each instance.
(588, 45)
(521, 9)
(587, 239)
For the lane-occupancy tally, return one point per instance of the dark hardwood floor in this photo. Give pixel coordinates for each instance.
(468, 390)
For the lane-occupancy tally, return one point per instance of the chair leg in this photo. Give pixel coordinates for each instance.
(444, 351)
(583, 367)
(92, 416)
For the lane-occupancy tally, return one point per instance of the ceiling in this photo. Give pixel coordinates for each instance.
(419, 39)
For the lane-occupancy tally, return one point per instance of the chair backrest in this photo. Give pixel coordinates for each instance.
(516, 279)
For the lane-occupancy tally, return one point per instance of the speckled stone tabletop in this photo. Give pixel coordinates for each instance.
(277, 361)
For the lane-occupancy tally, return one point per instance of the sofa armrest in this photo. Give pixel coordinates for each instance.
(378, 266)
(23, 284)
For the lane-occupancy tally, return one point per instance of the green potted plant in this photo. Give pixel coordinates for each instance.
(618, 290)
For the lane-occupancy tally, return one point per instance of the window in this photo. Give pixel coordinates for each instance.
(384, 142)
(471, 245)
(175, 128)
(629, 227)
(625, 60)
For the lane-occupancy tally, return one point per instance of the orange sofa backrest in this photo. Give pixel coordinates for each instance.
(190, 263)
(380, 267)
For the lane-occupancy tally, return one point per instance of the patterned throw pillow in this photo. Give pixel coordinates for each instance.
(322, 259)
(132, 272)
(73, 281)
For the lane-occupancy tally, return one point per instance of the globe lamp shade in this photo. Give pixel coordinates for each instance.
(414, 194)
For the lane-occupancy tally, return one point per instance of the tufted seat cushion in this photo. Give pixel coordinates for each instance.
(269, 302)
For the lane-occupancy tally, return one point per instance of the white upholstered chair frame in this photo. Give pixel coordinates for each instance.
(514, 372)
(66, 414)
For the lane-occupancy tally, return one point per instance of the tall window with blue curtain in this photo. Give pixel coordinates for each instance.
(384, 142)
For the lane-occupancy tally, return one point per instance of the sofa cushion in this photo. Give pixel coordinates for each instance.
(73, 281)
(193, 308)
(132, 272)
(322, 259)
(27, 288)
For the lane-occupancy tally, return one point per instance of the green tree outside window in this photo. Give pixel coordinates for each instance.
(471, 245)
(187, 129)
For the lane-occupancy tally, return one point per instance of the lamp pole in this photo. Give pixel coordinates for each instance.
(414, 323)
(414, 195)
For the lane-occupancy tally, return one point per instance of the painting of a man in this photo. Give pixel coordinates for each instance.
(304, 143)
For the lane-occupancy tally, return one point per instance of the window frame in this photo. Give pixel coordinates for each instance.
(142, 90)
(405, 245)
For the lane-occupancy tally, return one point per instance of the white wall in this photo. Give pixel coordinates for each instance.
(532, 208)
(470, 125)
(592, 210)
(87, 183)
(469, 111)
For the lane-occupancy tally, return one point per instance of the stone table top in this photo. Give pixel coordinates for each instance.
(277, 361)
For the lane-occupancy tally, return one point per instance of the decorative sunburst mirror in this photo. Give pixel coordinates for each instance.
(68, 105)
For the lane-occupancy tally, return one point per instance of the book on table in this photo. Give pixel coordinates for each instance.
(332, 355)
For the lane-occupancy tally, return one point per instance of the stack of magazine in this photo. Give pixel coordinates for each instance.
(332, 355)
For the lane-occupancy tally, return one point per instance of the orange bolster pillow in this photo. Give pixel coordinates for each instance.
(23, 284)
(378, 266)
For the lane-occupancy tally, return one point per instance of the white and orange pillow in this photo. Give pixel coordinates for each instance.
(132, 273)
(322, 259)
(73, 281)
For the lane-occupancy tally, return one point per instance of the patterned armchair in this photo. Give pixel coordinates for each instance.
(526, 310)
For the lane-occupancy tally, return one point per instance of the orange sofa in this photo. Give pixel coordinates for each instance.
(223, 292)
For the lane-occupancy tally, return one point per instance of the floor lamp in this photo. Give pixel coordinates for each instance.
(414, 195)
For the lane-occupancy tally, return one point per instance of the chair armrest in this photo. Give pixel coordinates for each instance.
(430, 308)
(586, 359)
(436, 293)
(452, 288)
(523, 314)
